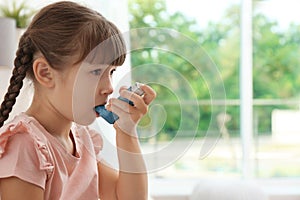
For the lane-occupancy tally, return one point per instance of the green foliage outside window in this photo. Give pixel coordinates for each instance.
(275, 60)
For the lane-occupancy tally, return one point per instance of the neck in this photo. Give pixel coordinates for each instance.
(55, 123)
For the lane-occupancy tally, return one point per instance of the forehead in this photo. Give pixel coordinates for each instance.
(88, 65)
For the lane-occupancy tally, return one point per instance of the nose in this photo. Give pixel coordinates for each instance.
(107, 88)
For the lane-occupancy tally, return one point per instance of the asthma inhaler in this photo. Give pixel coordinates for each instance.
(111, 117)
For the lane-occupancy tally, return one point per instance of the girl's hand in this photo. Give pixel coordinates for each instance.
(129, 116)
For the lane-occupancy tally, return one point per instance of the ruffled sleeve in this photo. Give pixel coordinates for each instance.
(8, 131)
(24, 155)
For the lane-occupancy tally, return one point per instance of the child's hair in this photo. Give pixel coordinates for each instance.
(59, 32)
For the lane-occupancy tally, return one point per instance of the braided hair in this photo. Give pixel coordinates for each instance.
(23, 61)
(58, 32)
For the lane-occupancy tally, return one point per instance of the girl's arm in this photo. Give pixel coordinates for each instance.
(14, 188)
(128, 183)
(131, 182)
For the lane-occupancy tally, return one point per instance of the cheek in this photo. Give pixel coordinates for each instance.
(83, 100)
(105, 82)
(84, 88)
(82, 110)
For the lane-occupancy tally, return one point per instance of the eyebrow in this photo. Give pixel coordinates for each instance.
(95, 66)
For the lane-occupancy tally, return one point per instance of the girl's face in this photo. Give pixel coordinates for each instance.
(81, 88)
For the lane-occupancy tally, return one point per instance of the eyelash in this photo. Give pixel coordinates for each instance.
(97, 72)
(112, 72)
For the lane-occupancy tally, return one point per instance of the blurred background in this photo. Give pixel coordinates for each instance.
(227, 77)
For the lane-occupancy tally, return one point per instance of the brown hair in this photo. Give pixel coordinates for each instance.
(58, 32)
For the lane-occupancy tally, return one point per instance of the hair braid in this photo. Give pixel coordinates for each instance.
(23, 61)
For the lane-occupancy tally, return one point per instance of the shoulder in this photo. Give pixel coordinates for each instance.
(23, 154)
(17, 129)
(21, 130)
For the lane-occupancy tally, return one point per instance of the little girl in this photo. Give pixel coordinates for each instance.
(48, 152)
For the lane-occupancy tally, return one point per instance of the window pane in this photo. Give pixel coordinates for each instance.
(276, 88)
(191, 79)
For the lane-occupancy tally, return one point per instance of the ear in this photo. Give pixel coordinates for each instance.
(43, 72)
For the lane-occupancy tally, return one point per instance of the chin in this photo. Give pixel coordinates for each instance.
(88, 119)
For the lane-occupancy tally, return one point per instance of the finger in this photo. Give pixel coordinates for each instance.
(119, 109)
(125, 111)
(149, 95)
(122, 88)
(108, 107)
(117, 104)
(137, 100)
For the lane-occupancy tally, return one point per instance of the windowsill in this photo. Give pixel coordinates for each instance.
(181, 189)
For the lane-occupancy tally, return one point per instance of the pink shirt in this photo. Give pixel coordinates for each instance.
(29, 152)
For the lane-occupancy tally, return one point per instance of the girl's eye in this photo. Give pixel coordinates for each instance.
(96, 72)
(112, 72)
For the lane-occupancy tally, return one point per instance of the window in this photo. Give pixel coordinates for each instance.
(201, 85)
